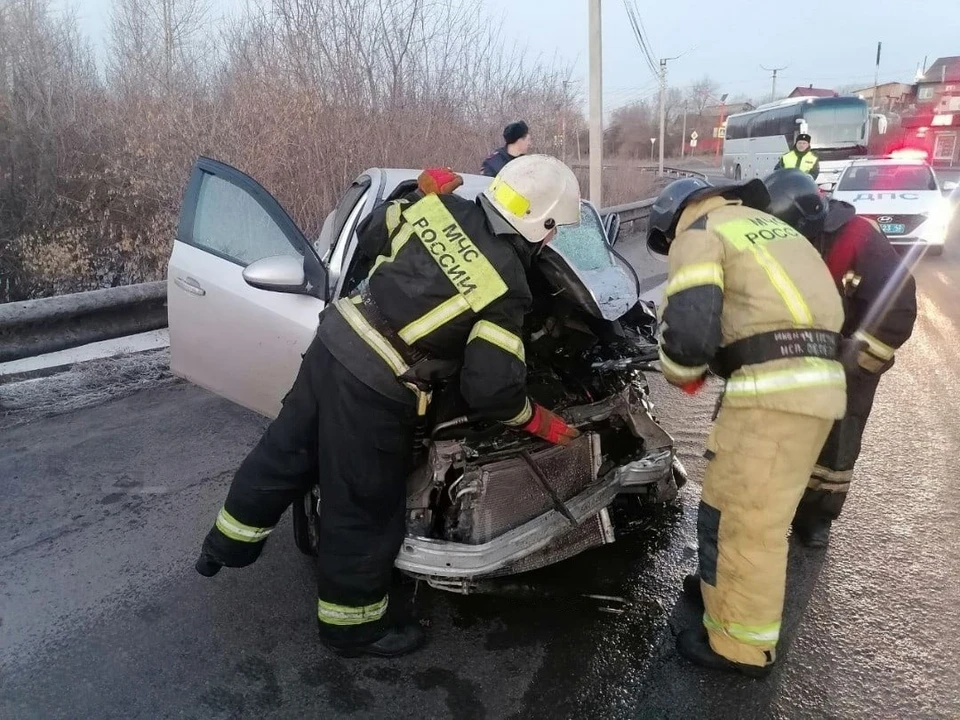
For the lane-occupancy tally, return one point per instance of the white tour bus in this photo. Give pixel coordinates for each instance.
(839, 128)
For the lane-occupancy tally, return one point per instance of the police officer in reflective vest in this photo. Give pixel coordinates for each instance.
(449, 284)
(880, 301)
(801, 157)
(748, 296)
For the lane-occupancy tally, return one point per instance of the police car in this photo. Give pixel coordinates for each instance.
(902, 195)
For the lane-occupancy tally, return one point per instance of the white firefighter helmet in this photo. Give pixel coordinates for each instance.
(535, 194)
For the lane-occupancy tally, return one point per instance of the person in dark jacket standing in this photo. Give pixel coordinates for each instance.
(880, 303)
(801, 157)
(449, 284)
(516, 138)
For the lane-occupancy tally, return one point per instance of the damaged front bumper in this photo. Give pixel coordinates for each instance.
(450, 565)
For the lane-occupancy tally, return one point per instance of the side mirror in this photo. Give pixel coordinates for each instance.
(280, 273)
(950, 186)
(611, 227)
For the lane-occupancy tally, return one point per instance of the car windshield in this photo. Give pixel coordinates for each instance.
(888, 177)
(584, 245)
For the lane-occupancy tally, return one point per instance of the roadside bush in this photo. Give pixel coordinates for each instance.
(301, 94)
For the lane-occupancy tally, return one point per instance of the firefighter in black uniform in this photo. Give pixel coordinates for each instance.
(880, 307)
(448, 285)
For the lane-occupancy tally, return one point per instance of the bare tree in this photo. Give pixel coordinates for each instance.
(702, 94)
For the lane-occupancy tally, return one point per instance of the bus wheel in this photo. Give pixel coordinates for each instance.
(737, 174)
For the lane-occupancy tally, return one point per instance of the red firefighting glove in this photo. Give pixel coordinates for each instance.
(550, 426)
(694, 386)
(438, 181)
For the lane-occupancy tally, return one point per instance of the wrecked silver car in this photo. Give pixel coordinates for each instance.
(245, 288)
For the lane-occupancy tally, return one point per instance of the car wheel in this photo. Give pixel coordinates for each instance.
(305, 534)
(935, 250)
(737, 174)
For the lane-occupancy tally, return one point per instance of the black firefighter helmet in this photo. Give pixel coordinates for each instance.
(667, 208)
(795, 198)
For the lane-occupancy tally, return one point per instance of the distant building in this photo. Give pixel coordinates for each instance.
(935, 123)
(811, 91)
(890, 96)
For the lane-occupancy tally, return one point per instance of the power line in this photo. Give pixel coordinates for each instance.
(773, 89)
(640, 35)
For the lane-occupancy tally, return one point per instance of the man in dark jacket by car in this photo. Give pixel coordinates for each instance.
(516, 138)
(880, 308)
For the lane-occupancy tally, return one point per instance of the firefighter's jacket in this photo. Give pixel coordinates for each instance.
(734, 273)
(879, 292)
(448, 283)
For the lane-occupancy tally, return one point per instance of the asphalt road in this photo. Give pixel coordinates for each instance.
(102, 615)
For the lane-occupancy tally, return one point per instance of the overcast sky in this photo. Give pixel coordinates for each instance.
(825, 43)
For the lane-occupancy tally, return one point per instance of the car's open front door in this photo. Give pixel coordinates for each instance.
(233, 339)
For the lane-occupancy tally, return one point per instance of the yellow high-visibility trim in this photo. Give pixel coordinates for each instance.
(369, 333)
(496, 335)
(758, 635)
(752, 235)
(817, 373)
(681, 373)
(799, 310)
(393, 218)
(333, 614)
(241, 532)
(876, 347)
(792, 160)
(522, 417)
(470, 273)
(430, 321)
(396, 245)
(708, 273)
(515, 203)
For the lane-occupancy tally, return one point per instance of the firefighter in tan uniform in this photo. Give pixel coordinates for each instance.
(749, 297)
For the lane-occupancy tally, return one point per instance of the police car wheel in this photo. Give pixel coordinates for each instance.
(305, 535)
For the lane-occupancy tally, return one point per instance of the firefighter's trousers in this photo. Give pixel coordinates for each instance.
(760, 463)
(831, 476)
(358, 445)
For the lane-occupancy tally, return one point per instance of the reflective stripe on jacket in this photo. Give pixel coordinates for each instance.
(735, 272)
(808, 162)
(449, 287)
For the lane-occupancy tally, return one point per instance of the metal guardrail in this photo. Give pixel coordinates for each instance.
(37, 327)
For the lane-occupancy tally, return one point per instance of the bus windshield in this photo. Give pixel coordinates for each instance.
(838, 124)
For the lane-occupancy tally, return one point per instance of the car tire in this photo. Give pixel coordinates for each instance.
(305, 534)
(935, 250)
(738, 174)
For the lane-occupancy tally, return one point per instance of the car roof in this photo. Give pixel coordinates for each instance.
(889, 161)
(472, 186)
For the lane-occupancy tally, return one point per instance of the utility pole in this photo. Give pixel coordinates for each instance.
(773, 88)
(663, 109)
(876, 79)
(596, 105)
(683, 136)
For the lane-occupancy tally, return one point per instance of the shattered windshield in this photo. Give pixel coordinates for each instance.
(584, 245)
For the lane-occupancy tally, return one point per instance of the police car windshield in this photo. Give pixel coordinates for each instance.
(887, 177)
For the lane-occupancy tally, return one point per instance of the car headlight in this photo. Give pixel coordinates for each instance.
(934, 230)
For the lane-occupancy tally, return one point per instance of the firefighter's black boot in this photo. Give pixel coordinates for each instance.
(692, 589)
(207, 566)
(813, 532)
(401, 639)
(694, 645)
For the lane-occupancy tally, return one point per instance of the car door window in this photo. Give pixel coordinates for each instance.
(231, 223)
